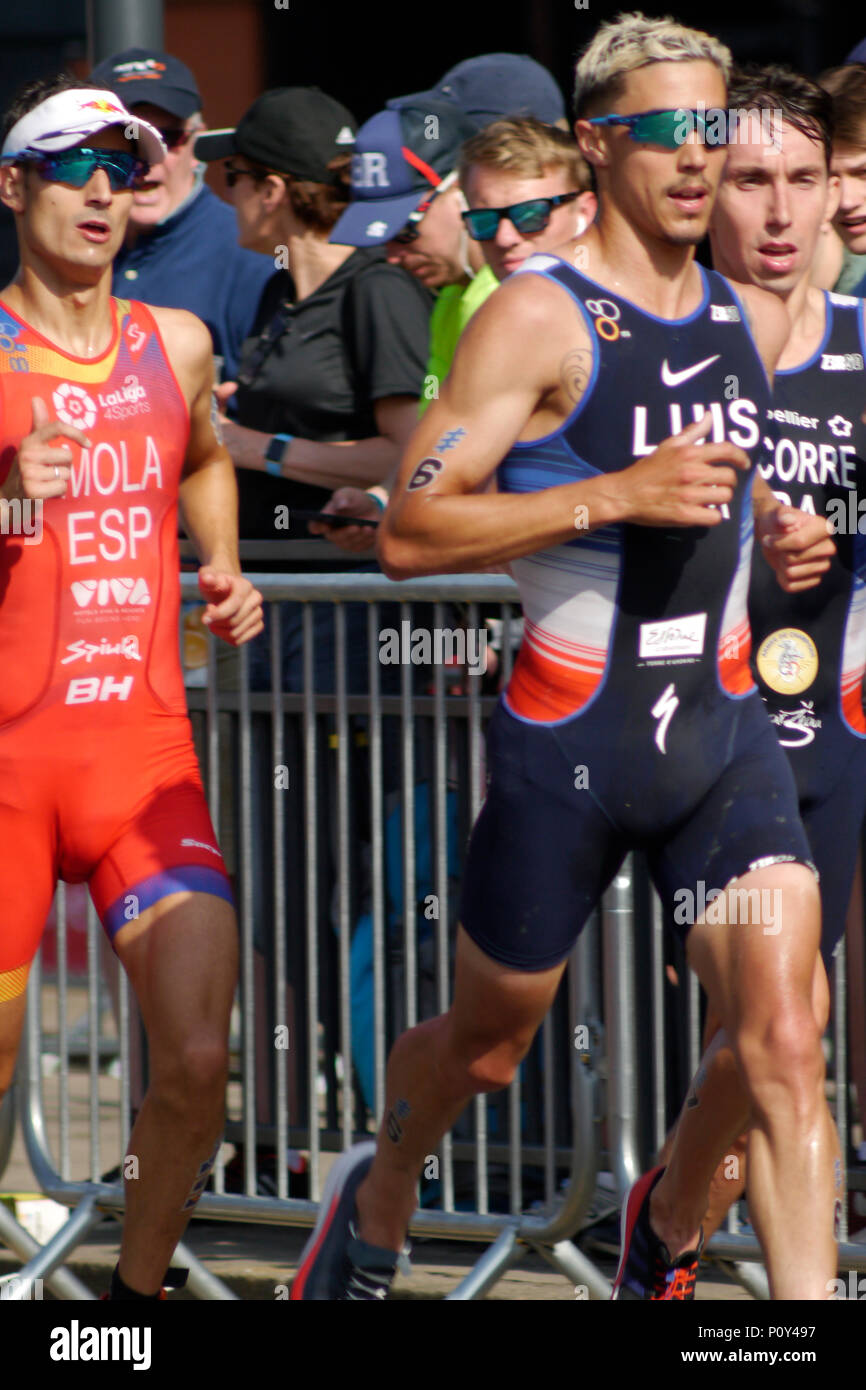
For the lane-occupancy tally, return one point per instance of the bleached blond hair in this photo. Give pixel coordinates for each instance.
(632, 41)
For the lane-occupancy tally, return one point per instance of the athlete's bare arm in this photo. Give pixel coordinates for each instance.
(794, 543)
(208, 491)
(521, 367)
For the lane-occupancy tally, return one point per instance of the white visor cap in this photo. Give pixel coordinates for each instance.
(64, 120)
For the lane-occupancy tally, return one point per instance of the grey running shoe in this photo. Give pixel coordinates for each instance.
(336, 1265)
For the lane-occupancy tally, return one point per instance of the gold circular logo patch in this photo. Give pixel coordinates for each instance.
(788, 661)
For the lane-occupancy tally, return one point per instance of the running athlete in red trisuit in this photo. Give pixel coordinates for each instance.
(105, 425)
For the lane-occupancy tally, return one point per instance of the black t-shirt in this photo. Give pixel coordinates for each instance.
(315, 367)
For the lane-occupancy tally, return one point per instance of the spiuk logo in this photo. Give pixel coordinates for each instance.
(74, 406)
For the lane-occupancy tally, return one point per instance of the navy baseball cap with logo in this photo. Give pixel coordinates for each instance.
(495, 85)
(144, 74)
(401, 155)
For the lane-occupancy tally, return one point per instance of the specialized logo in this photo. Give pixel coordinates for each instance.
(74, 406)
(86, 651)
(132, 593)
(788, 661)
(663, 710)
(676, 378)
(800, 722)
(673, 637)
(136, 337)
(376, 228)
(606, 316)
(200, 844)
(725, 313)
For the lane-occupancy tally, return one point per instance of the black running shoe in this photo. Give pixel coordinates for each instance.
(336, 1265)
(646, 1270)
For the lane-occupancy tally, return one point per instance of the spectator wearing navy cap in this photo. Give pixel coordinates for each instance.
(405, 197)
(500, 84)
(181, 249)
(403, 172)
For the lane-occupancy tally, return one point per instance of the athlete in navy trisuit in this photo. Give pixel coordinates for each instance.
(808, 648)
(631, 720)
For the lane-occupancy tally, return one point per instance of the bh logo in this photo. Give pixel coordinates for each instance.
(74, 406)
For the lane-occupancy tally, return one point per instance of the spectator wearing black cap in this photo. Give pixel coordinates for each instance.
(329, 381)
(181, 249)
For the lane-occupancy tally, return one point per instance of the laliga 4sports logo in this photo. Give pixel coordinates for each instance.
(74, 406)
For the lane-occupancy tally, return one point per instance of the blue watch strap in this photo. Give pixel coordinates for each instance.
(274, 453)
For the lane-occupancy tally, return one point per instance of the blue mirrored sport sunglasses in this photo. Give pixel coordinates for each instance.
(670, 128)
(77, 166)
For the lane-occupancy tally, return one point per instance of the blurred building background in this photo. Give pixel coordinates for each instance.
(363, 53)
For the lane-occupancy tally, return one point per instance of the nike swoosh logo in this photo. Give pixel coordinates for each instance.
(674, 378)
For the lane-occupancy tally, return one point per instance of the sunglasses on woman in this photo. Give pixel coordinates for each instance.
(77, 166)
(532, 215)
(669, 128)
(233, 173)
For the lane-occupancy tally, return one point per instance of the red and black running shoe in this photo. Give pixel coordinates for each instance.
(335, 1263)
(646, 1270)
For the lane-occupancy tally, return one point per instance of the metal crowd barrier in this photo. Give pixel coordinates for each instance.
(520, 1171)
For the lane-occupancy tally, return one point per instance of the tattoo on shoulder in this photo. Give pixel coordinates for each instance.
(575, 370)
(215, 417)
